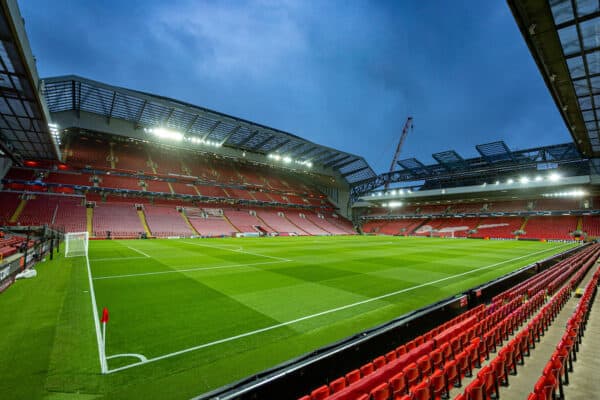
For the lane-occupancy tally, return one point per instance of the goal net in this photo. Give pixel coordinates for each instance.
(76, 244)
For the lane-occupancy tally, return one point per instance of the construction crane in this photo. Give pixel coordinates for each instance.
(407, 125)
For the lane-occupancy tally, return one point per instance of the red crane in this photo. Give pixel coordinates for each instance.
(407, 125)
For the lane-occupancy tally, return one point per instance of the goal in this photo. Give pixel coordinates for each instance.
(76, 244)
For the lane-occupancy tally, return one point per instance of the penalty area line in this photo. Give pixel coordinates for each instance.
(138, 251)
(190, 270)
(239, 250)
(325, 312)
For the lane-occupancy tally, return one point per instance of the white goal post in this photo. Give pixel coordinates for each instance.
(76, 244)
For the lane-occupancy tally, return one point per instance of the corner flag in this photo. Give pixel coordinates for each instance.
(104, 318)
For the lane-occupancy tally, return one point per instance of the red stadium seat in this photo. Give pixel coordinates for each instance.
(452, 375)
(463, 364)
(398, 384)
(353, 376)
(379, 362)
(380, 392)
(475, 390)
(337, 384)
(367, 369)
(401, 350)
(437, 359)
(320, 393)
(391, 356)
(412, 374)
(438, 384)
(446, 350)
(499, 367)
(487, 378)
(425, 366)
(421, 391)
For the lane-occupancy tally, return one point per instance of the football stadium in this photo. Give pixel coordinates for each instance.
(151, 248)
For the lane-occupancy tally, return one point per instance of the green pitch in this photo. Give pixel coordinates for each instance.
(187, 316)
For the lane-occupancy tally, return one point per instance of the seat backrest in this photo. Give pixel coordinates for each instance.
(398, 383)
(352, 376)
(475, 390)
(379, 362)
(367, 369)
(337, 384)
(380, 392)
(320, 393)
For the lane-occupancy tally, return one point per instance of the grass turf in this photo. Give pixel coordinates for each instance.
(247, 303)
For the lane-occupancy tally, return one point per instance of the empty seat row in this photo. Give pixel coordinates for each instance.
(556, 371)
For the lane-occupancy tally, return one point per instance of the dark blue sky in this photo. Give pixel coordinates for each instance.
(343, 74)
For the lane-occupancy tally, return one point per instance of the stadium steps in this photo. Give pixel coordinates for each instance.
(230, 223)
(197, 191)
(171, 187)
(522, 383)
(584, 380)
(264, 223)
(226, 194)
(310, 221)
(251, 195)
(269, 196)
(89, 217)
(579, 223)
(187, 221)
(291, 222)
(524, 224)
(18, 211)
(418, 226)
(112, 155)
(142, 217)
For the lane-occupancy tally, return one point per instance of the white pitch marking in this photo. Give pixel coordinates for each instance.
(138, 251)
(238, 251)
(103, 365)
(190, 270)
(116, 258)
(140, 356)
(307, 317)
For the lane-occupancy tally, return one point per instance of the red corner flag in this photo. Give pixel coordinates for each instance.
(104, 318)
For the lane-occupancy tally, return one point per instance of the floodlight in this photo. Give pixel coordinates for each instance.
(393, 204)
(538, 178)
(287, 160)
(164, 133)
(553, 177)
(510, 181)
(524, 179)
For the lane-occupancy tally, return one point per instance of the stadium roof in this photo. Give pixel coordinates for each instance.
(495, 159)
(24, 131)
(564, 39)
(145, 110)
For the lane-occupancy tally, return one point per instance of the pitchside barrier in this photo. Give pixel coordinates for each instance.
(299, 376)
(9, 270)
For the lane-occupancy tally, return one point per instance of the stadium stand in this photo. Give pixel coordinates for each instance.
(121, 220)
(71, 215)
(165, 221)
(244, 221)
(279, 223)
(299, 219)
(10, 201)
(550, 227)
